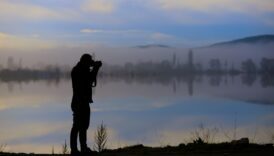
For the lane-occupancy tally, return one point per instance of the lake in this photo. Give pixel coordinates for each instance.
(35, 115)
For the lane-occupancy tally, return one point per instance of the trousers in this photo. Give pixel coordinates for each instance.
(81, 119)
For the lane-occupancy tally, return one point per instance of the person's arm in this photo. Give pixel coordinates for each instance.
(94, 74)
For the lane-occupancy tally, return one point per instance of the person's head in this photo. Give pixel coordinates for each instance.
(86, 60)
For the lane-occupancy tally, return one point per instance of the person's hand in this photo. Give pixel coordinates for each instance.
(99, 63)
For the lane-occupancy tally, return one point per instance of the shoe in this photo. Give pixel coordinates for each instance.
(75, 153)
(87, 151)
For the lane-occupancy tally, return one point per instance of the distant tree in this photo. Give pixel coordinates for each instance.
(249, 66)
(165, 66)
(10, 63)
(20, 64)
(128, 66)
(215, 65)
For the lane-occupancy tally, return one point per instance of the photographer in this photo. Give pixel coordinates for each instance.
(83, 79)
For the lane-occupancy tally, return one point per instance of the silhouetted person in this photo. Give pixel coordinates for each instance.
(83, 79)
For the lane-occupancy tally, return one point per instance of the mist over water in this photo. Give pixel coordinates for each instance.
(233, 54)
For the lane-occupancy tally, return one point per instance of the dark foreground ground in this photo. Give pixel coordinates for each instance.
(192, 149)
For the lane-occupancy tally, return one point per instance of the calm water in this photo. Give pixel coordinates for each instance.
(35, 116)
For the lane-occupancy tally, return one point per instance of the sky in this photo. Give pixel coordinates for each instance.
(62, 30)
(39, 24)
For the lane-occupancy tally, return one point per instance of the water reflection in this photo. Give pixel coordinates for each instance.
(247, 87)
(247, 79)
(35, 115)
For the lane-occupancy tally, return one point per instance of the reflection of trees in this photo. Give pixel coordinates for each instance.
(174, 87)
(267, 72)
(249, 78)
(267, 66)
(215, 79)
(267, 80)
(164, 80)
(173, 81)
(10, 87)
(190, 83)
(225, 81)
(27, 75)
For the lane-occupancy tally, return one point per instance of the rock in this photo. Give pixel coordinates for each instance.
(242, 141)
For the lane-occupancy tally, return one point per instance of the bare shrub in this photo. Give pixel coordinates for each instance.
(204, 135)
(100, 138)
(65, 148)
(2, 147)
(52, 150)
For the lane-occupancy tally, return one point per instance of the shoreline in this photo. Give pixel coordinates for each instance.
(234, 148)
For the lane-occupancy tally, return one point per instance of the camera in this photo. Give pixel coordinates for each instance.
(96, 64)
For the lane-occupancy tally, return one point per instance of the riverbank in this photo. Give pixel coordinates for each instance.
(191, 149)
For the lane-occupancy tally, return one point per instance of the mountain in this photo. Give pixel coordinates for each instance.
(262, 39)
(153, 46)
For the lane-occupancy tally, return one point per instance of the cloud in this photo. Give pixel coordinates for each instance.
(35, 35)
(161, 36)
(98, 6)
(90, 31)
(146, 34)
(217, 6)
(9, 11)
(214, 11)
(127, 31)
(8, 41)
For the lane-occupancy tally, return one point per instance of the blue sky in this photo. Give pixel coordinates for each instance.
(39, 24)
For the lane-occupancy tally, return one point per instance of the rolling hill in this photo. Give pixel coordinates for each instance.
(262, 39)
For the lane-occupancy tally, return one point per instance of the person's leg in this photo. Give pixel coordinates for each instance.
(83, 130)
(73, 138)
(83, 139)
(74, 133)
(83, 142)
